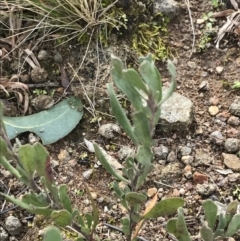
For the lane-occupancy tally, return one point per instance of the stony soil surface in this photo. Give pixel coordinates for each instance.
(196, 164)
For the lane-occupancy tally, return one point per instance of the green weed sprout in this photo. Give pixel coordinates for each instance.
(218, 224)
(49, 200)
(144, 91)
(236, 85)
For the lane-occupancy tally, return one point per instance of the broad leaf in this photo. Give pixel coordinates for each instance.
(134, 198)
(206, 233)
(142, 128)
(233, 226)
(50, 125)
(177, 227)
(51, 234)
(61, 218)
(120, 115)
(210, 210)
(165, 207)
(26, 154)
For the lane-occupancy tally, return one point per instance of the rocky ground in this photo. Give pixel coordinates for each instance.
(197, 142)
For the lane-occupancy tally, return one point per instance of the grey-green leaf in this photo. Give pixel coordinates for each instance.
(142, 128)
(50, 125)
(52, 233)
(61, 218)
(210, 211)
(177, 226)
(165, 207)
(134, 198)
(26, 154)
(233, 226)
(206, 233)
(120, 115)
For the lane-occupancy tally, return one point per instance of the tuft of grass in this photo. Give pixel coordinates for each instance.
(236, 85)
(62, 20)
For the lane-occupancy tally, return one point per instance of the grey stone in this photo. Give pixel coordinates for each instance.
(233, 120)
(87, 174)
(202, 157)
(176, 112)
(185, 151)
(3, 234)
(206, 189)
(43, 55)
(235, 107)
(108, 130)
(161, 152)
(171, 157)
(170, 172)
(216, 137)
(169, 8)
(231, 161)
(232, 145)
(13, 225)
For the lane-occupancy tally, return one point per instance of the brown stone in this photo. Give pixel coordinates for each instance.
(231, 161)
(199, 177)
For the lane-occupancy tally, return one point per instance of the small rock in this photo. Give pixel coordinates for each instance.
(124, 152)
(233, 177)
(55, 163)
(188, 172)
(214, 100)
(223, 116)
(32, 138)
(182, 191)
(64, 156)
(235, 107)
(13, 225)
(191, 64)
(94, 195)
(25, 78)
(9, 108)
(43, 55)
(170, 172)
(231, 161)
(200, 21)
(87, 174)
(168, 8)
(151, 191)
(171, 157)
(185, 151)
(206, 189)
(204, 85)
(176, 112)
(202, 157)
(213, 110)
(58, 58)
(6, 174)
(100, 199)
(234, 121)
(216, 138)
(199, 177)
(3, 234)
(175, 193)
(108, 130)
(232, 133)
(42, 102)
(187, 160)
(161, 152)
(39, 75)
(232, 145)
(219, 69)
(199, 130)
